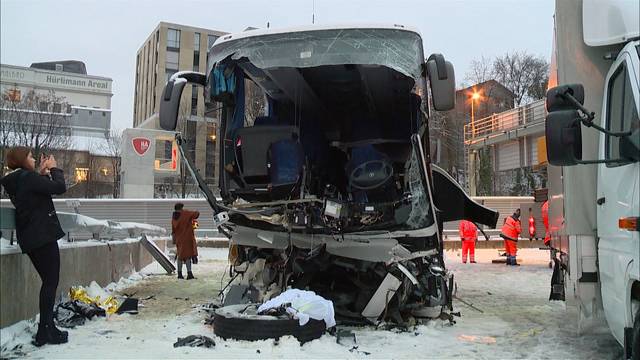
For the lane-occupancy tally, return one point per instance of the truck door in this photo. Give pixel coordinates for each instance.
(618, 249)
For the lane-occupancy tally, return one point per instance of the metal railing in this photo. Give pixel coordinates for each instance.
(504, 121)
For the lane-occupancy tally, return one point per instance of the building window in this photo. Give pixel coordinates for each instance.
(81, 173)
(172, 60)
(59, 67)
(194, 100)
(68, 108)
(57, 108)
(196, 42)
(210, 40)
(173, 38)
(104, 113)
(43, 106)
(169, 73)
(13, 95)
(196, 61)
(166, 155)
(210, 151)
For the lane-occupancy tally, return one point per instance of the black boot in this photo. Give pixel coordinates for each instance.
(57, 332)
(180, 276)
(190, 275)
(46, 335)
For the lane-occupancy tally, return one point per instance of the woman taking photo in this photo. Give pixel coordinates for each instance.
(38, 228)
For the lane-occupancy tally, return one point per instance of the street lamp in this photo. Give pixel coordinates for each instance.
(475, 96)
(472, 153)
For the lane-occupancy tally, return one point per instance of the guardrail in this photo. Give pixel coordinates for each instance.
(528, 114)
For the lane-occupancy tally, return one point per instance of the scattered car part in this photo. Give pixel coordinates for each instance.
(157, 254)
(195, 341)
(381, 298)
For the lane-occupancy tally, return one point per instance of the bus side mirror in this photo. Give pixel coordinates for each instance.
(170, 103)
(443, 82)
(170, 100)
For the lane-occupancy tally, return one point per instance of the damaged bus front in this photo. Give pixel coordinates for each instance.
(324, 167)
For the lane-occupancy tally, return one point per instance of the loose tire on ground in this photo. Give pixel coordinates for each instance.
(240, 322)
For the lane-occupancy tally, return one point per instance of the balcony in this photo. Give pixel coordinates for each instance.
(508, 125)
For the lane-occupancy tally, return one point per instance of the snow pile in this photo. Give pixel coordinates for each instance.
(15, 340)
(78, 222)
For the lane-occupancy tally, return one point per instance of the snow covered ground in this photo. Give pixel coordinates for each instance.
(515, 321)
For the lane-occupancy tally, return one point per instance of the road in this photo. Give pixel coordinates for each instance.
(513, 320)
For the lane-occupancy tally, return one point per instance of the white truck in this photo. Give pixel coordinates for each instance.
(593, 141)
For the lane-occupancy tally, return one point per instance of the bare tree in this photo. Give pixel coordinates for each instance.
(36, 120)
(480, 70)
(524, 74)
(113, 149)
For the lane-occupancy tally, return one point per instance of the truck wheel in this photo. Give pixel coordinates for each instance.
(241, 322)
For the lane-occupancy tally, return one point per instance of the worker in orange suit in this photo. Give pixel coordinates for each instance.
(469, 236)
(545, 220)
(510, 232)
(532, 225)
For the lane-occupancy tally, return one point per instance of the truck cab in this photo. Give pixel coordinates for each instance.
(618, 193)
(592, 133)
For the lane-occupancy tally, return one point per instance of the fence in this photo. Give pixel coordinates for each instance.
(507, 120)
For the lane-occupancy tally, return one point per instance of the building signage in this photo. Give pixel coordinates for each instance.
(76, 82)
(36, 78)
(141, 145)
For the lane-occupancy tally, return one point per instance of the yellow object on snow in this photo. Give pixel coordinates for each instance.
(110, 304)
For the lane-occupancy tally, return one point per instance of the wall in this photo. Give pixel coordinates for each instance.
(80, 263)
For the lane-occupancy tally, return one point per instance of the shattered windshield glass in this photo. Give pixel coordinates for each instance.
(400, 50)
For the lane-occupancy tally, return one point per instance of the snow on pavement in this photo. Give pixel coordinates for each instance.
(516, 321)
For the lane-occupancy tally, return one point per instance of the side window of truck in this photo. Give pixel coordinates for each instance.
(622, 114)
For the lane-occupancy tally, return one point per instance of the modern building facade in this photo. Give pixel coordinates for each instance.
(168, 49)
(509, 150)
(84, 99)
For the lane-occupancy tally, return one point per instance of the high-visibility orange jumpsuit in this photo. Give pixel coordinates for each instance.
(545, 220)
(468, 235)
(532, 227)
(510, 232)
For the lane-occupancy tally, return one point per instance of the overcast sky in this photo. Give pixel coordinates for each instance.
(107, 34)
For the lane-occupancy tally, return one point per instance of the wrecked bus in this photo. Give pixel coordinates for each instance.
(330, 188)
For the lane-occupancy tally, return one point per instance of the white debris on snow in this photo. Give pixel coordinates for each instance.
(303, 306)
(516, 321)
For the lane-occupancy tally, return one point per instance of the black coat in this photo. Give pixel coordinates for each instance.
(36, 221)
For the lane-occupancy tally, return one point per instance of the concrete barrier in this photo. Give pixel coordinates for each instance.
(80, 264)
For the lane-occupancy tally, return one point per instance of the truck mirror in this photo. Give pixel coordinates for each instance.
(442, 79)
(630, 146)
(170, 103)
(555, 100)
(564, 137)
